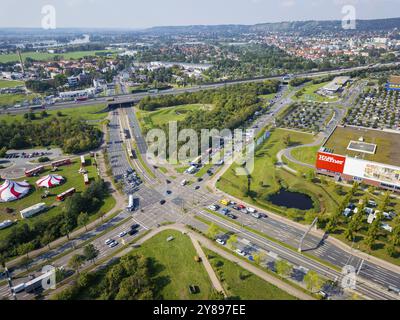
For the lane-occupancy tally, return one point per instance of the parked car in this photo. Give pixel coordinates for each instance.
(220, 241)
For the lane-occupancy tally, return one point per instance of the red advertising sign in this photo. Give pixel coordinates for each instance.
(331, 162)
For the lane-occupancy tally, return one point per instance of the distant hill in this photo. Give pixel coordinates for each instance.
(302, 27)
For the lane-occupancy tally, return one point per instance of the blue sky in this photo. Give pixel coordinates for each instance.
(147, 13)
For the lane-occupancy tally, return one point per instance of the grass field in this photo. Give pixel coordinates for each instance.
(72, 179)
(268, 179)
(309, 93)
(10, 83)
(240, 284)
(306, 154)
(175, 268)
(44, 56)
(89, 113)
(156, 119)
(12, 99)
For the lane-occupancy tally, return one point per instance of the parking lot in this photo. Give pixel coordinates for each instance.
(376, 109)
(17, 161)
(308, 116)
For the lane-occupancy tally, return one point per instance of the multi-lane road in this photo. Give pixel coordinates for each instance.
(183, 203)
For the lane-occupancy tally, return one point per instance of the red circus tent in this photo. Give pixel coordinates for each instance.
(12, 190)
(50, 181)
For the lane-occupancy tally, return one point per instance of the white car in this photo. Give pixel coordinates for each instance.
(256, 215)
(113, 244)
(108, 242)
(123, 234)
(221, 241)
(251, 210)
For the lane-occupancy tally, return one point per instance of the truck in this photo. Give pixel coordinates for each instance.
(133, 203)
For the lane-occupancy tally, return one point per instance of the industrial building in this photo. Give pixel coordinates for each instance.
(364, 155)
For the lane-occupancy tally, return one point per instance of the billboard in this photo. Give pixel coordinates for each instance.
(330, 162)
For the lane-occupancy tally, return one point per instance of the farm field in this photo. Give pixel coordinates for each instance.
(44, 56)
(241, 284)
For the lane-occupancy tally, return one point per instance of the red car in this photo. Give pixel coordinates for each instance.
(241, 206)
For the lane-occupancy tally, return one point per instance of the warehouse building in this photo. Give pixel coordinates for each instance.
(363, 155)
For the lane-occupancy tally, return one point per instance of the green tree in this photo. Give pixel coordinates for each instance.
(212, 231)
(232, 241)
(313, 281)
(90, 252)
(83, 219)
(76, 262)
(25, 248)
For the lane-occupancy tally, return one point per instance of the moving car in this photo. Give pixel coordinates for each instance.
(220, 241)
(108, 241)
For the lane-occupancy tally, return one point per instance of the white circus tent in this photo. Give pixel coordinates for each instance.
(50, 181)
(12, 190)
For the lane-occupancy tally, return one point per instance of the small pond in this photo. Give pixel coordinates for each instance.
(290, 199)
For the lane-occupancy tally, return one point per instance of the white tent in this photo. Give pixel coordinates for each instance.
(50, 181)
(12, 190)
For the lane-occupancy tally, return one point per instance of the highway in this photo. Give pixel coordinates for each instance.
(184, 203)
(132, 98)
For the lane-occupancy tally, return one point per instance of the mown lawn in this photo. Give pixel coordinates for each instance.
(174, 267)
(156, 119)
(72, 179)
(241, 284)
(307, 154)
(267, 178)
(310, 90)
(12, 99)
(90, 113)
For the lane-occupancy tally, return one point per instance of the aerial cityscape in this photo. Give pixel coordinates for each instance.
(254, 157)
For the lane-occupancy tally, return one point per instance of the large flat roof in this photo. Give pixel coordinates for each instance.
(387, 144)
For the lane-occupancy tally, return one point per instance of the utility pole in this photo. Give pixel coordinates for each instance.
(305, 234)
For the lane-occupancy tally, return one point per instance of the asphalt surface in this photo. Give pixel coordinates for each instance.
(184, 203)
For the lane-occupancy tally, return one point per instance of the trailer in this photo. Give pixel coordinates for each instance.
(83, 161)
(5, 224)
(60, 163)
(86, 179)
(34, 171)
(31, 211)
(65, 194)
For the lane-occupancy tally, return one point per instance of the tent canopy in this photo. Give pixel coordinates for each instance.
(12, 190)
(50, 181)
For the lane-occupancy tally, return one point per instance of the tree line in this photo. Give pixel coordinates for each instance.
(71, 135)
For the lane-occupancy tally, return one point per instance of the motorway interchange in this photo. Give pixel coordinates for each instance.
(183, 203)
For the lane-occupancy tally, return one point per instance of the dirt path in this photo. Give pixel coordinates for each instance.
(213, 277)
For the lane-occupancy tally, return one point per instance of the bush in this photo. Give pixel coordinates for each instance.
(43, 159)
